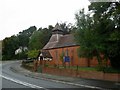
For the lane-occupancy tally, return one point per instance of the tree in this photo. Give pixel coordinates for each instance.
(34, 42)
(24, 38)
(25, 35)
(99, 34)
(9, 45)
(67, 28)
(109, 18)
(39, 39)
(33, 53)
(84, 36)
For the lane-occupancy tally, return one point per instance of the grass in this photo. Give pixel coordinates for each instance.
(30, 64)
(105, 69)
(87, 69)
(75, 68)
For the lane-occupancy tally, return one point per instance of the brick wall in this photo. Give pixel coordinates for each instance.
(83, 74)
(74, 59)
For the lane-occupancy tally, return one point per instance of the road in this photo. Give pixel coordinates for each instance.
(15, 79)
(11, 79)
(9, 84)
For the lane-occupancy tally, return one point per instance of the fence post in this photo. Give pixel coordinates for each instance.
(77, 71)
(77, 68)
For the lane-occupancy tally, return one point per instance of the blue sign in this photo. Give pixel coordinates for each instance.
(66, 59)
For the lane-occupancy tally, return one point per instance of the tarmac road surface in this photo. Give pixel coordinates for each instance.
(13, 76)
(11, 79)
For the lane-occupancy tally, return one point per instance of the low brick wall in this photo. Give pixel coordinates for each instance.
(82, 74)
(62, 72)
(91, 74)
(112, 77)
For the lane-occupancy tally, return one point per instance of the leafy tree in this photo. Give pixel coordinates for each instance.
(33, 53)
(22, 55)
(67, 28)
(39, 39)
(107, 18)
(9, 45)
(99, 34)
(47, 32)
(35, 39)
(84, 36)
(25, 35)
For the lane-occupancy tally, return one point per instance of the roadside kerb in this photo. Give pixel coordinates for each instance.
(37, 76)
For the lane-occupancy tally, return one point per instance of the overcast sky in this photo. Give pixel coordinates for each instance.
(18, 15)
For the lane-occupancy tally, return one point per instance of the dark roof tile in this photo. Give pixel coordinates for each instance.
(57, 27)
(46, 54)
(64, 41)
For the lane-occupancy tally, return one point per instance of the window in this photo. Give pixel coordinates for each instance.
(56, 53)
(67, 52)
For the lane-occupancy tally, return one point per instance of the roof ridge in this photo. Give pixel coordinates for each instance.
(57, 27)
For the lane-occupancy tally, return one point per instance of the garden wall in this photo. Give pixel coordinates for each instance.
(82, 74)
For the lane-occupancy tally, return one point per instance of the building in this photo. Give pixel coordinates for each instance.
(63, 50)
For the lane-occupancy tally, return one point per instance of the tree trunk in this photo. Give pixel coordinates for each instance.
(88, 62)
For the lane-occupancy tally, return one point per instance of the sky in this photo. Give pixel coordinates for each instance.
(18, 15)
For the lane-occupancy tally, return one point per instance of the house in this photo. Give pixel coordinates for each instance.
(20, 50)
(63, 50)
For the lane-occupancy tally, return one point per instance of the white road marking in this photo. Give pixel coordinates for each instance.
(22, 83)
(35, 86)
(117, 83)
(86, 86)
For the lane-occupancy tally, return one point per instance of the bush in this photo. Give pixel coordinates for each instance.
(46, 65)
(111, 70)
(27, 66)
(107, 69)
(100, 68)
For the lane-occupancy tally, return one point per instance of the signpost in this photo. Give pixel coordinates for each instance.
(66, 59)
